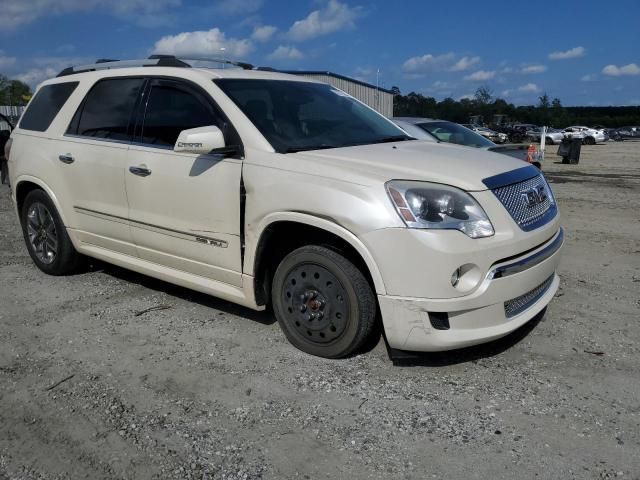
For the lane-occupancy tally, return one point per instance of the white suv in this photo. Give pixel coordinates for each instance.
(270, 190)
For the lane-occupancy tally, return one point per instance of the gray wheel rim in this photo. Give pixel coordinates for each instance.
(41, 230)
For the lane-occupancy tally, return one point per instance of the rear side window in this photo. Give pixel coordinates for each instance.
(107, 109)
(173, 107)
(45, 106)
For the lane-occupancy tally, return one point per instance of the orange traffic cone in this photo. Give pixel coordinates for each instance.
(531, 151)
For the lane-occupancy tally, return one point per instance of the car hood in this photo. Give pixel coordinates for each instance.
(463, 167)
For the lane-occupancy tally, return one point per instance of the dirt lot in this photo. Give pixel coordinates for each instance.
(205, 389)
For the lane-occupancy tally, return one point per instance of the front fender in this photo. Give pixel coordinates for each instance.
(253, 240)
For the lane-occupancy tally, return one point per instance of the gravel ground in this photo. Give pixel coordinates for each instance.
(205, 389)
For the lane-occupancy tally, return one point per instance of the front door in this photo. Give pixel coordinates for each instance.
(184, 209)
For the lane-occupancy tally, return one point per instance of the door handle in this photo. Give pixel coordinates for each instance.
(141, 171)
(66, 158)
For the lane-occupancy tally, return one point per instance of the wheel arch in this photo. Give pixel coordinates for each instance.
(28, 183)
(257, 259)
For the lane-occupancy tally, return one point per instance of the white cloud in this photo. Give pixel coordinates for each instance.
(34, 76)
(465, 63)
(615, 71)
(571, 53)
(588, 78)
(481, 75)
(263, 33)
(529, 88)
(333, 17)
(415, 67)
(6, 61)
(533, 69)
(285, 52)
(40, 69)
(144, 12)
(201, 43)
(468, 96)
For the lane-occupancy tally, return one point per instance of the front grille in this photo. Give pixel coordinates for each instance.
(524, 203)
(517, 305)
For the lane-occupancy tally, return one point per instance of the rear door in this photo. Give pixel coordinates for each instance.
(93, 156)
(184, 208)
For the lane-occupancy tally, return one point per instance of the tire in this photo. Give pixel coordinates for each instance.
(323, 302)
(549, 141)
(589, 141)
(46, 237)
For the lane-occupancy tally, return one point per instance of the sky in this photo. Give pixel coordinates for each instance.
(582, 52)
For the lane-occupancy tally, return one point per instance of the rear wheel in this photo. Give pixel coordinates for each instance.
(589, 141)
(46, 237)
(549, 141)
(323, 302)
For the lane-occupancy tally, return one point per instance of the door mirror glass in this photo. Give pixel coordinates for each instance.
(200, 140)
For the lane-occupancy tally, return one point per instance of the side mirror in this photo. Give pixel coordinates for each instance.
(200, 140)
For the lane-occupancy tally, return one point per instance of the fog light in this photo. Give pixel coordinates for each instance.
(455, 277)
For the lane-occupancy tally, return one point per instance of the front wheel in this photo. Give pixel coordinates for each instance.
(46, 237)
(323, 302)
(589, 141)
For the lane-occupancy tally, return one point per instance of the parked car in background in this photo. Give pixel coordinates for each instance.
(450, 132)
(588, 135)
(492, 135)
(553, 135)
(4, 138)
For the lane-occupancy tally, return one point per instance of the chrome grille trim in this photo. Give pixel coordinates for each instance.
(517, 305)
(514, 200)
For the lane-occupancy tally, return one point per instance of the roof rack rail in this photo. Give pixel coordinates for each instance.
(106, 64)
(243, 65)
(157, 60)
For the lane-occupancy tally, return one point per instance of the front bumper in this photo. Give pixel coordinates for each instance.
(509, 295)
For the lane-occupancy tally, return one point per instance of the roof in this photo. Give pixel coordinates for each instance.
(335, 75)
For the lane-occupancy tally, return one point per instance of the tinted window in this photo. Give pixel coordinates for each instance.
(295, 116)
(107, 109)
(45, 106)
(173, 107)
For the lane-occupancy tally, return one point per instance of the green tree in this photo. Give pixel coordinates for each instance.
(483, 95)
(13, 92)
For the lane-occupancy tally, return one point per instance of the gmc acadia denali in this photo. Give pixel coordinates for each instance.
(271, 190)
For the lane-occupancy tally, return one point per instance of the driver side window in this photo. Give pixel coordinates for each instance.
(171, 108)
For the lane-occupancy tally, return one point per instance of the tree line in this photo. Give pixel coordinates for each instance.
(13, 92)
(548, 111)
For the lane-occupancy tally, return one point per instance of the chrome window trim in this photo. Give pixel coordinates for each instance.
(530, 261)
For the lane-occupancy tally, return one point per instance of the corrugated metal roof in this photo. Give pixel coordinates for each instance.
(335, 75)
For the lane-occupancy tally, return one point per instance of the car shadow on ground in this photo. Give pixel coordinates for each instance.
(265, 317)
(465, 355)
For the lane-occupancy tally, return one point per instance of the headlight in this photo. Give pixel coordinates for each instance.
(431, 205)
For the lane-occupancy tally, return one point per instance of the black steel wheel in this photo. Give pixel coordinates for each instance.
(323, 302)
(46, 237)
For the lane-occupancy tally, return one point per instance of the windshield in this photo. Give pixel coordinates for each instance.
(453, 133)
(296, 116)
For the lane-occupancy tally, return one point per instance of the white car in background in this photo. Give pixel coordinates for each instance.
(589, 136)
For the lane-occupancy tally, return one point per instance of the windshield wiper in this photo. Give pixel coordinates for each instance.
(308, 147)
(393, 138)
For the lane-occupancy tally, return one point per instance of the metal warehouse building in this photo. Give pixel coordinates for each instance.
(377, 98)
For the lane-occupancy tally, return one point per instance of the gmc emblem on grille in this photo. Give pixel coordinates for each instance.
(534, 196)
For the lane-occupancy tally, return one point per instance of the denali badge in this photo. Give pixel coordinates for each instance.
(534, 196)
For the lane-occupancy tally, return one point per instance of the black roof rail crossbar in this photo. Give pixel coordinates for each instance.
(105, 64)
(156, 60)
